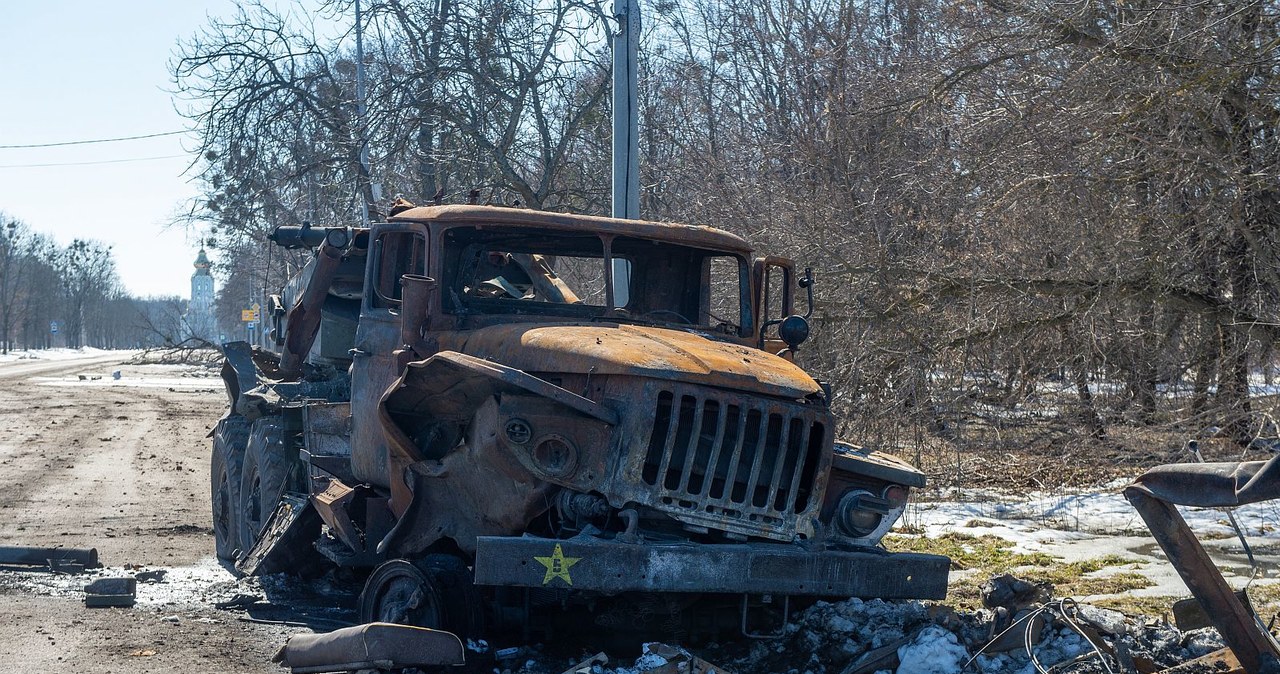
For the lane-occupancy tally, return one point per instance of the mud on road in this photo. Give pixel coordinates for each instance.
(123, 466)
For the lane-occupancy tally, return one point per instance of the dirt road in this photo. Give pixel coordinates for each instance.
(121, 466)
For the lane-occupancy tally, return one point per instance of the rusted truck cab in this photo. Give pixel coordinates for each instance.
(575, 405)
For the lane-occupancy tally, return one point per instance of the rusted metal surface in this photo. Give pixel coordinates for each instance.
(495, 393)
(292, 521)
(303, 319)
(635, 350)
(1154, 496)
(693, 235)
(375, 646)
(1219, 662)
(607, 566)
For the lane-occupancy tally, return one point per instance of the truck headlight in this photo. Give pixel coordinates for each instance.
(860, 513)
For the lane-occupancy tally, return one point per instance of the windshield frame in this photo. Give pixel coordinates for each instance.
(456, 302)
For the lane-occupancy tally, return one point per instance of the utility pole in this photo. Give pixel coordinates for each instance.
(374, 193)
(626, 133)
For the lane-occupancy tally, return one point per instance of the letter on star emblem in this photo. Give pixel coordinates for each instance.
(557, 566)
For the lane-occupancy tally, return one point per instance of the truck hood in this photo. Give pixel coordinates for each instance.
(621, 349)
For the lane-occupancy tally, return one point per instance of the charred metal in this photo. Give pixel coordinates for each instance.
(486, 402)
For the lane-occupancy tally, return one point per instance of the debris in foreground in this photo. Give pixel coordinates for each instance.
(1155, 495)
(64, 560)
(1019, 632)
(376, 646)
(111, 592)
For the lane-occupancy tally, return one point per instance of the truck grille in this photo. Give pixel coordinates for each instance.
(750, 461)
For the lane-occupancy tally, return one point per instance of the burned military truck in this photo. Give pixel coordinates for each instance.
(495, 407)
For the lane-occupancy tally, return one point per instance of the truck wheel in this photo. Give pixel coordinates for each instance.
(435, 591)
(229, 439)
(265, 476)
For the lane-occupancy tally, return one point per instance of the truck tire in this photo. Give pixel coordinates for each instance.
(435, 592)
(229, 440)
(267, 473)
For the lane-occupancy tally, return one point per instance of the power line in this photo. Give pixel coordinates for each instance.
(87, 142)
(90, 163)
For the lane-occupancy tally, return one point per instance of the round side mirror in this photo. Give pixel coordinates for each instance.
(794, 330)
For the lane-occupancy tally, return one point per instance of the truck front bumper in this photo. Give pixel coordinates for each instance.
(764, 568)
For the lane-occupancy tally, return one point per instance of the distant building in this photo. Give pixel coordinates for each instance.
(200, 316)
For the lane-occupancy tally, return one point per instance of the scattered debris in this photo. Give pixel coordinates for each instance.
(589, 665)
(665, 659)
(240, 601)
(1155, 495)
(66, 566)
(376, 646)
(1221, 661)
(156, 576)
(54, 558)
(106, 592)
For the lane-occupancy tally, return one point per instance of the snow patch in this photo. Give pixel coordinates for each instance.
(934, 651)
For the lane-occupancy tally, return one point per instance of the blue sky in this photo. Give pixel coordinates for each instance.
(75, 69)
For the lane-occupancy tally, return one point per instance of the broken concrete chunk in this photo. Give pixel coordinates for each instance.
(106, 592)
(1105, 620)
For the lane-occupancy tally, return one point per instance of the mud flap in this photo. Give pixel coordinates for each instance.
(286, 540)
(376, 646)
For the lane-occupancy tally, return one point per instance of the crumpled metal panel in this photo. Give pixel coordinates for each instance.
(1214, 485)
(642, 351)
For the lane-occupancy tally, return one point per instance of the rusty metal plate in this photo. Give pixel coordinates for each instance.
(610, 567)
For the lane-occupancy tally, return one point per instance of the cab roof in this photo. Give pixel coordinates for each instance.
(700, 236)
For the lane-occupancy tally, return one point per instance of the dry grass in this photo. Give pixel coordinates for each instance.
(985, 556)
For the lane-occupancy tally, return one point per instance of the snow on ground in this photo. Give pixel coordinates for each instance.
(61, 354)
(1088, 525)
(173, 377)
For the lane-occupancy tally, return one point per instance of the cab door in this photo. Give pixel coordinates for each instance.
(396, 250)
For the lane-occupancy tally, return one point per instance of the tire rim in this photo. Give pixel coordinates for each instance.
(398, 592)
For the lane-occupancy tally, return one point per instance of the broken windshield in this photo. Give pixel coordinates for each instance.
(554, 272)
